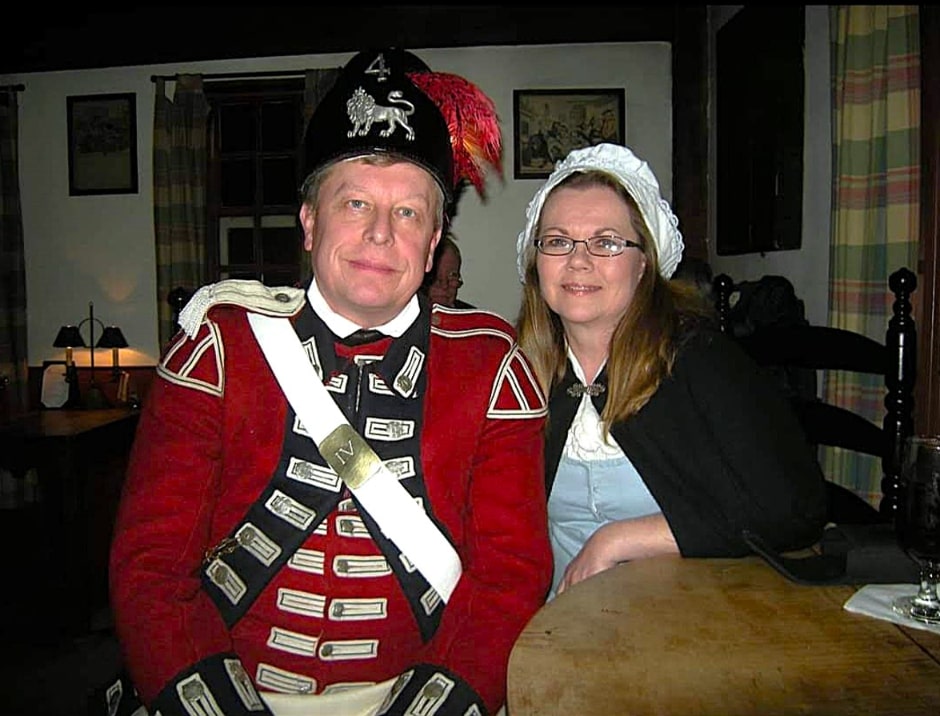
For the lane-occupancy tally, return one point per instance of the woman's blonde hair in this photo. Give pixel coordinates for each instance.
(644, 343)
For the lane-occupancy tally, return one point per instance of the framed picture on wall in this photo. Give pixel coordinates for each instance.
(102, 141)
(547, 124)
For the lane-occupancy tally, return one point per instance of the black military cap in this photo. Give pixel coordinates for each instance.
(375, 108)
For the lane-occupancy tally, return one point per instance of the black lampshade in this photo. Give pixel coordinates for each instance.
(69, 337)
(111, 338)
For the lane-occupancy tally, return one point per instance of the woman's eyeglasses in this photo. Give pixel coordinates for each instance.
(605, 245)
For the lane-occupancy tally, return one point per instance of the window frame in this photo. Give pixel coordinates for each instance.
(256, 92)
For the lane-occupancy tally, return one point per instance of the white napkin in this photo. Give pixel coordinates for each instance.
(874, 600)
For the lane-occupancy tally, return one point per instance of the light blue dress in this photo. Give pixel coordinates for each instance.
(595, 484)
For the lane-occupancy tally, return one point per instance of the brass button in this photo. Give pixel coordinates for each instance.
(282, 297)
(193, 691)
(246, 536)
(327, 650)
(433, 690)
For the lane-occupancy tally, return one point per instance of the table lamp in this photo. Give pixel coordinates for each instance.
(112, 338)
(69, 337)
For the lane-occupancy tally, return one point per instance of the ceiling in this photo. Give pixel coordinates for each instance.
(71, 37)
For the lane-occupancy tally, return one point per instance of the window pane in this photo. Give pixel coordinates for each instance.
(281, 246)
(238, 182)
(240, 246)
(225, 273)
(235, 240)
(282, 277)
(279, 126)
(280, 184)
(237, 127)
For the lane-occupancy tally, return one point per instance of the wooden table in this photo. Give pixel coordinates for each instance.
(57, 532)
(726, 637)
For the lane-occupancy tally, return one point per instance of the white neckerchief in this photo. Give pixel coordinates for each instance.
(585, 439)
(343, 327)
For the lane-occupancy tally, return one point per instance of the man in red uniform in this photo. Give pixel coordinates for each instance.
(318, 522)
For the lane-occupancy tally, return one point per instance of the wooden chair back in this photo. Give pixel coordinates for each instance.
(823, 348)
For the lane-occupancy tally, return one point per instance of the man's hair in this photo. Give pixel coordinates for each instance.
(310, 191)
(447, 243)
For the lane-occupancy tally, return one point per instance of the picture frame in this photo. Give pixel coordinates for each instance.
(54, 391)
(102, 144)
(549, 123)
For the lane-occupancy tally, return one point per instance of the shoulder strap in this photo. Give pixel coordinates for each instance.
(402, 520)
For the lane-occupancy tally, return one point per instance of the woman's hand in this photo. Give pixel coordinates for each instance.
(620, 541)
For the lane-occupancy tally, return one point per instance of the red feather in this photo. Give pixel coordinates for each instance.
(473, 124)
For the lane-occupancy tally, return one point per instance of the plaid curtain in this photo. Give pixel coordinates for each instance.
(876, 198)
(13, 354)
(180, 167)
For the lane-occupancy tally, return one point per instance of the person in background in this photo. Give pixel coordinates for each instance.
(443, 281)
(663, 437)
(697, 272)
(335, 500)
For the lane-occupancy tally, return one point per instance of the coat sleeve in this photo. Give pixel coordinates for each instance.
(745, 462)
(176, 646)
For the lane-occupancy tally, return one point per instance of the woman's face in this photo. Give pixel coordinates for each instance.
(589, 292)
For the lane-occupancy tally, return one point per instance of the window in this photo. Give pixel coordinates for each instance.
(255, 165)
(759, 127)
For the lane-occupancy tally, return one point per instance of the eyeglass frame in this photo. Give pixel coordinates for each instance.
(627, 244)
(449, 279)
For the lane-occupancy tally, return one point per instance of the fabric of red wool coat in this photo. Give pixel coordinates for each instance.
(211, 435)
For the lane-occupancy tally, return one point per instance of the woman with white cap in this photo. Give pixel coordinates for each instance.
(663, 437)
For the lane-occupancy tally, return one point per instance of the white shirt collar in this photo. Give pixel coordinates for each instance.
(343, 327)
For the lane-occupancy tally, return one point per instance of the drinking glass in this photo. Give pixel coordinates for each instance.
(918, 524)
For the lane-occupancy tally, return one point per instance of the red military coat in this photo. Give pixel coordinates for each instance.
(212, 434)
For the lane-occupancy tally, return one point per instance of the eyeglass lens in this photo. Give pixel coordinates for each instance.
(605, 245)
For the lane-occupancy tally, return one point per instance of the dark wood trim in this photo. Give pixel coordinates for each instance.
(927, 401)
(86, 38)
(690, 127)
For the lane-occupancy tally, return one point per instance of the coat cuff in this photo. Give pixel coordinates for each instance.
(216, 685)
(427, 688)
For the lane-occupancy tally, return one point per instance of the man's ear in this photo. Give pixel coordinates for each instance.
(307, 220)
(435, 240)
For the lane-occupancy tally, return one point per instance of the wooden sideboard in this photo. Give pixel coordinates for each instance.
(64, 470)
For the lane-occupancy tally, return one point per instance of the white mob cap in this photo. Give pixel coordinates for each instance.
(639, 181)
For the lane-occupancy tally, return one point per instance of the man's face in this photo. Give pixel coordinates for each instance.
(371, 237)
(446, 279)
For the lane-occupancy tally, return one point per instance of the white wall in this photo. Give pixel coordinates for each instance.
(806, 267)
(101, 248)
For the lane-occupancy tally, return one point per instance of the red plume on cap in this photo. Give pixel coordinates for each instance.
(472, 122)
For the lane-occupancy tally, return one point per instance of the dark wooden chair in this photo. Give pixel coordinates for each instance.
(820, 348)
